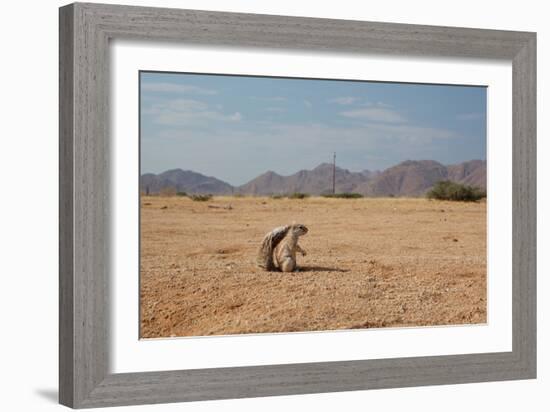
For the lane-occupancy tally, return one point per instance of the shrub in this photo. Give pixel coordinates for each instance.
(276, 196)
(181, 194)
(298, 195)
(201, 198)
(447, 190)
(343, 195)
(238, 194)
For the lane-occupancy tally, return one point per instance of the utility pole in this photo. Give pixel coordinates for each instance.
(334, 173)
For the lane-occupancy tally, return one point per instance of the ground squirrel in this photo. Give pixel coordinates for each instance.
(279, 247)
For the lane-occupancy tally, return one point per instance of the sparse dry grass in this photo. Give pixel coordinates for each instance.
(370, 263)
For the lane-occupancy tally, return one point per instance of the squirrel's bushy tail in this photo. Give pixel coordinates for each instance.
(269, 243)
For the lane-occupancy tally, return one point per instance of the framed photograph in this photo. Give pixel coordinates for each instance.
(257, 205)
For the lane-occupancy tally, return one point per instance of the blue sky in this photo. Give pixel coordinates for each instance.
(236, 128)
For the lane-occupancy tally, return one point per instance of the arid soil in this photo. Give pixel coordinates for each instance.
(371, 263)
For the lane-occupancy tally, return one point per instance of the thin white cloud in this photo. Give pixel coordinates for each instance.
(384, 105)
(375, 114)
(167, 87)
(275, 109)
(344, 100)
(235, 117)
(274, 99)
(469, 116)
(308, 104)
(179, 112)
(374, 133)
(413, 133)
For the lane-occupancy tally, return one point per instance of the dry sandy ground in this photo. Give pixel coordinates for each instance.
(371, 263)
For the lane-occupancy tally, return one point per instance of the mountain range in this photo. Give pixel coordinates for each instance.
(409, 178)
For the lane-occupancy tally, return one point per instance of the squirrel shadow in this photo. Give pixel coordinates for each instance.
(309, 268)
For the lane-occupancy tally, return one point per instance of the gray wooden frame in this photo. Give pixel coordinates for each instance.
(85, 31)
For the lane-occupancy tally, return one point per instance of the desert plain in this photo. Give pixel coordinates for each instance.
(370, 263)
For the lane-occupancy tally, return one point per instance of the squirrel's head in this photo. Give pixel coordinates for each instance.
(298, 229)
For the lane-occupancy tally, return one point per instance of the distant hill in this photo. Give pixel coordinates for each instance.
(415, 178)
(315, 182)
(370, 173)
(473, 173)
(409, 178)
(184, 181)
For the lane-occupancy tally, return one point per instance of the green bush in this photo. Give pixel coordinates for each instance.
(181, 194)
(447, 190)
(298, 195)
(201, 198)
(343, 195)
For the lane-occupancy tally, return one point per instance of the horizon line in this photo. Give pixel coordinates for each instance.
(303, 169)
